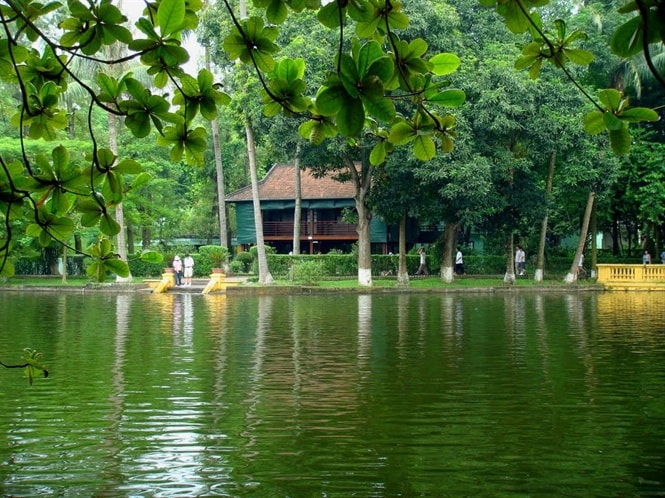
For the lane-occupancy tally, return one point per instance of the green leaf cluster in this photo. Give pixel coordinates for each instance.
(33, 364)
(615, 118)
(378, 74)
(61, 193)
(559, 47)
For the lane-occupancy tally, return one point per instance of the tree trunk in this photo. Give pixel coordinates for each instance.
(362, 181)
(509, 276)
(130, 238)
(540, 257)
(593, 229)
(402, 270)
(572, 273)
(121, 241)
(146, 238)
(297, 212)
(219, 172)
(448, 262)
(64, 263)
(364, 245)
(264, 273)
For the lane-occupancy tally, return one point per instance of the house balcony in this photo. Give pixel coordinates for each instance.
(283, 230)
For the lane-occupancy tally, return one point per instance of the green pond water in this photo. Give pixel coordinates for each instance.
(338, 395)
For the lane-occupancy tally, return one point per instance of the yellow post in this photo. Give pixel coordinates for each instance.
(216, 282)
(168, 281)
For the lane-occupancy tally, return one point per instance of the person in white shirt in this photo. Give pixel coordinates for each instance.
(459, 262)
(520, 260)
(177, 270)
(422, 269)
(189, 270)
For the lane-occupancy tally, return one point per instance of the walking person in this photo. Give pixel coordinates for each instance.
(177, 270)
(520, 260)
(422, 269)
(580, 266)
(662, 257)
(189, 269)
(646, 258)
(459, 262)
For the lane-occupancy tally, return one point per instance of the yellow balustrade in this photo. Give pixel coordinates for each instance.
(639, 277)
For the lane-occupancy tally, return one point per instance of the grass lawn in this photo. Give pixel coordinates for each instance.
(434, 282)
(430, 282)
(46, 280)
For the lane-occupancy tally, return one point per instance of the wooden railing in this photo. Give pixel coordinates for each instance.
(321, 228)
(631, 274)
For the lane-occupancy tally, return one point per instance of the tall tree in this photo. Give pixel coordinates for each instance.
(571, 276)
(264, 273)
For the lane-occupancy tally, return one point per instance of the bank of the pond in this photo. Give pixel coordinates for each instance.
(437, 286)
(432, 284)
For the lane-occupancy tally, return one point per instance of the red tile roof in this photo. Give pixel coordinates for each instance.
(279, 184)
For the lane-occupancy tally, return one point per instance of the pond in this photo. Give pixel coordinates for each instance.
(376, 395)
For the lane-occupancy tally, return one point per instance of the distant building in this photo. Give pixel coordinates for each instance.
(323, 226)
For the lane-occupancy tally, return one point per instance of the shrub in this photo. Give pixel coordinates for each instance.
(211, 256)
(243, 261)
(237, 266)
(139, 268)
(308, 272)
(279, 264)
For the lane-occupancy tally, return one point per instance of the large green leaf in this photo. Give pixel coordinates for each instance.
(128, 167)
(368, 53)
(108, 225)
(117, 266)
(424, 147)
(151, 257)
(381, 108)
(612, 122)
(351, 118)
(349, 75)
(579, 56)
(638, 114)
(330, 100)
(170, 16)
(610, 98)
(91, 212)
(7, 270)
(378, 154)
(516, 20)
(594, 122)
(620, 141)
(317, 130)
(276, 12)
(402, 133)
(329, 15)
(448, 98)
(627, 38)
(445, 63)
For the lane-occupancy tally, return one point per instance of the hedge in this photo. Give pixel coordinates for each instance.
(329, 265)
